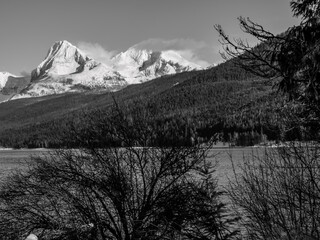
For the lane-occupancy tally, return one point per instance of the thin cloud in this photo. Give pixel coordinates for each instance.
(97, 52)
(192, 57)
(195, 51)
(158, 44)
(25, 73)
(198, 52)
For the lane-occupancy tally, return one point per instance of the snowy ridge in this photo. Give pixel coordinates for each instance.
(66, 68)
(142, 65)
(11, 84)
(62, 58)
(4, 76)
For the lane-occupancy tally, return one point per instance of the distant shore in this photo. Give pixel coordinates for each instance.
(24, 149)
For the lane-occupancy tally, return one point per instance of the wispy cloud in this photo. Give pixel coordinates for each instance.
(97, 52)
(195, 51)
(193, 57)
(25, 73)
(198, 52)
(159, 44)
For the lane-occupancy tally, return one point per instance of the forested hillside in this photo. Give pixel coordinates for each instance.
(223, 101)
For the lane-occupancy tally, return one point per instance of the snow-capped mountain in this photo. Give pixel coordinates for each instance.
(142, 65)
(63, 58)
(4, 77)
(66, 68)
(11, 84)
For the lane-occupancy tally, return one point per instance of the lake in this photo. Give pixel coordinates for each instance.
(18, 159)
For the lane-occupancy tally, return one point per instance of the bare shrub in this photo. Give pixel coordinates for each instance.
(101, 191)
(278, 193)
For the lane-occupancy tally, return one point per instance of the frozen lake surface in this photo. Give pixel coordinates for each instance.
(18, 159)
(11, 159)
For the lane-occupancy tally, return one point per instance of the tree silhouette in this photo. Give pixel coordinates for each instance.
(291, 58)
(104, 192)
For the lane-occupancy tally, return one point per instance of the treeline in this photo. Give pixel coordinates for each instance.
(224, 102)
(233, 111)
(100, 192)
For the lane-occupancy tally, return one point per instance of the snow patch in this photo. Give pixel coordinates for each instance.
(4, 76)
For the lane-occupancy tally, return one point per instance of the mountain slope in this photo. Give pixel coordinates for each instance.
(223, 99)
(4, 76)
(142, 65)
(63, 58)
(66, 68)
(11, 85)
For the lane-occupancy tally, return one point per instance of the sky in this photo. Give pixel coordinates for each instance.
(103, 28)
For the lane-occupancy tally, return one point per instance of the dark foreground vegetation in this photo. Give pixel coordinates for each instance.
(278, 194)
(104, 192)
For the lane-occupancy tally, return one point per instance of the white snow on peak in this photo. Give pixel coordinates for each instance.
(174, 57)
(66, 68)
(128, 63)
(62, 58)
(142, 65)
(131, 56)
(4, 76)
(11, 84)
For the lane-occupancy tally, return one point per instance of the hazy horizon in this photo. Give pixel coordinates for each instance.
(104, 28)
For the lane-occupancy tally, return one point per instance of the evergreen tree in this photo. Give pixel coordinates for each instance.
(292, 58)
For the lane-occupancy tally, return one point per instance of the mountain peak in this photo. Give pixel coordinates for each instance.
(139, 65)
(134, 55)
(61, 46)
(66, 68)
(175, 57)
(62, 58)
(4, 78)
(62, 42)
